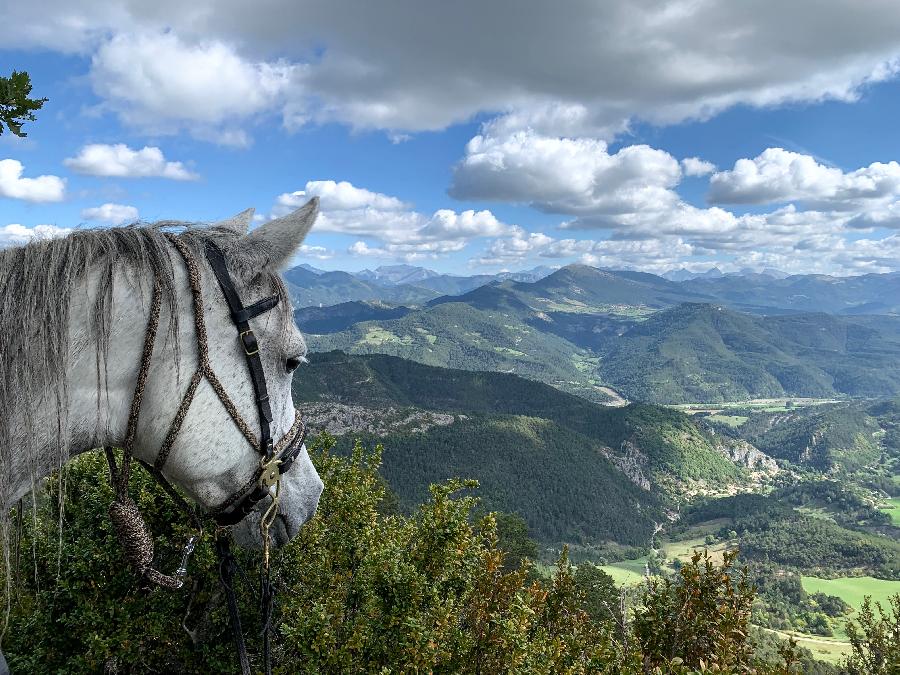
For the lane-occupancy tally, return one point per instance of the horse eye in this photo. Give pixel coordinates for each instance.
(292, 363)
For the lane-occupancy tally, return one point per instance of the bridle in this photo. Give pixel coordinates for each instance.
(275, 458)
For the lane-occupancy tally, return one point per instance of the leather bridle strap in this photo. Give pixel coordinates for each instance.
(243, 500)
(241, 316)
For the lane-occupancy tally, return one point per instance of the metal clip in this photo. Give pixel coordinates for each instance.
(254, 345)
(271, 472)
(265, 523)
(181, 572)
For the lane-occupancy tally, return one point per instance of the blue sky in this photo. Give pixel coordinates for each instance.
(474, 140)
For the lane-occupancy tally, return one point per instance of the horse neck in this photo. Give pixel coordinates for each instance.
(94, 416)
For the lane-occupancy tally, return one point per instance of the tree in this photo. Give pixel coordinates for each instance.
(601, 598)
(16, 105)
(359, 591)
(512, 531)
(700, 619)
(875, 639)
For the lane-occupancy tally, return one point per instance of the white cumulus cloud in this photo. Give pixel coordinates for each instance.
(401, 232)
(778, 175)
(15, 234)
(98, 159)
(599, 65)
(336, 196)
(157, 81)
(114, 214)
(361, 248)
(565, 175)
(121, 161)
(694, 166)
(317, 252)
(41, 189)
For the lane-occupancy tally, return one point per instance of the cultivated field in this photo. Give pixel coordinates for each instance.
(853, 589)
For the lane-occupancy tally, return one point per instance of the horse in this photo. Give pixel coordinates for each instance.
(76, 313)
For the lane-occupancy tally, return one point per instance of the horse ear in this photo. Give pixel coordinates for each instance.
(238, 224)
(273, 244)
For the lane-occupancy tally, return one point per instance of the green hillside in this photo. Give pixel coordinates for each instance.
(669, 443)
(771, 531)
(457, 335)
(834, 436)
(579, 287)
(558, 480)
(309, 289)
(335, 318)
(701, 352)
(863, 294)
(582, 328)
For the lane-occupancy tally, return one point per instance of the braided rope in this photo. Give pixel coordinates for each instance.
(291, 434)
(175, 427)
(296, 431)
(231, 408)
(204, 367)
(138, 396)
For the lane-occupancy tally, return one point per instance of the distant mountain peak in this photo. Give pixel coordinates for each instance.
(393, 275)
(684, 274)
(310, 268)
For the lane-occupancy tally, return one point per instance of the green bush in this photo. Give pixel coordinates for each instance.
(361, 589)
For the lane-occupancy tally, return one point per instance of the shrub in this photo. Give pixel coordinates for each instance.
(361, 589)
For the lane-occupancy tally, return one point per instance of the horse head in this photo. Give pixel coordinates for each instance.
(215, 453)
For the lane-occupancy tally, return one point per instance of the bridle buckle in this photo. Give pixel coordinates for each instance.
(271, 472)
(249, 342)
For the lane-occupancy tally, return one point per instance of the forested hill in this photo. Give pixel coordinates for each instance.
(491, 336)
(575, 470)
(309, 289)
(581, 286)
(703, 352)
(692, 352)
(381, 380)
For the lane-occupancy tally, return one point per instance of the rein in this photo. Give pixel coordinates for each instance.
(275, 459)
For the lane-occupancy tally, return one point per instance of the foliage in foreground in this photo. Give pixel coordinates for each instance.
(361, 590)
(875, 637)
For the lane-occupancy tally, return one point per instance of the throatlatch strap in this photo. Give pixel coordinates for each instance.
(241, 316)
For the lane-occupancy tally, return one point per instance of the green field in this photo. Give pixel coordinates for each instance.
(627, 572)
(733, 421)
(630, 572)
(893, 509)
(853, 589)
(824, 649)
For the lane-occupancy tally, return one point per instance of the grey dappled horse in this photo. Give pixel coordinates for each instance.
(73, 315)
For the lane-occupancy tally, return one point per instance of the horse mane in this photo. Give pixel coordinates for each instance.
(38, 282)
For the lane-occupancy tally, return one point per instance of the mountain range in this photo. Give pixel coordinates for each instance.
(406, 284)
(769, 292)
(595, 332)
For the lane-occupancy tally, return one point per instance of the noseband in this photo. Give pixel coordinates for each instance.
(275, 458)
